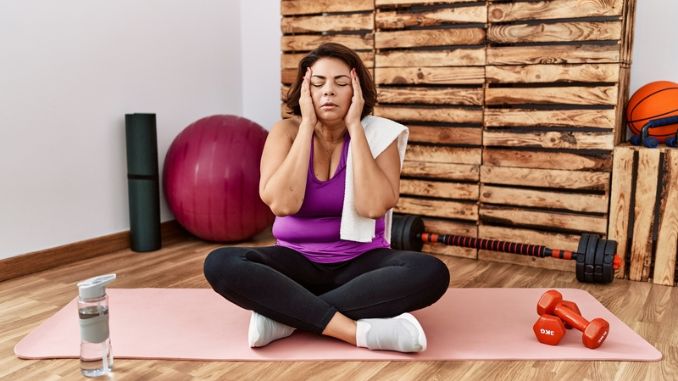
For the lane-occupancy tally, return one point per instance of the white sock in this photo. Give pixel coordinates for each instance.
(264, 330)
(402, 333)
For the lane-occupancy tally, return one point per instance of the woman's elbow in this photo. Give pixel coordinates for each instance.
(371, 211)
(282, 209)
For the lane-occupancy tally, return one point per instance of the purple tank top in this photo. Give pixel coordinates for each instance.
(314, 229)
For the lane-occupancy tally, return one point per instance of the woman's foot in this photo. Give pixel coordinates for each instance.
(263, 330)
(402, 333)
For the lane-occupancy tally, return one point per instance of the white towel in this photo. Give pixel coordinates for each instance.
(380, 133)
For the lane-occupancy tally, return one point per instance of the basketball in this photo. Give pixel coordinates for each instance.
(653, 101)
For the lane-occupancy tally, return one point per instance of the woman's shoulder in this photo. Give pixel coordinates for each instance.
(287, 127)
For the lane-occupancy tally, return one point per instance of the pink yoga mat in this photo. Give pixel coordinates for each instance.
(466, 324)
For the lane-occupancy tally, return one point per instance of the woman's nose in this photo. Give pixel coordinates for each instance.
(328, 89)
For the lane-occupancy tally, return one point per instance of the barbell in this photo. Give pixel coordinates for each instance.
(596, 257)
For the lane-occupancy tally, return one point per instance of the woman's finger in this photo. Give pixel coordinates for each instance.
(356, 84)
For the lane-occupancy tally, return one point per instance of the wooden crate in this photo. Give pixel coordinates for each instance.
(644, 212)
(554, 76)
(305, 24)
(429, 71)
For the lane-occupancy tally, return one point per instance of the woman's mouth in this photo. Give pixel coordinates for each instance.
(328, 106)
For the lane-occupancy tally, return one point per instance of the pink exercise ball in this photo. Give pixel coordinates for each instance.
(211, 178)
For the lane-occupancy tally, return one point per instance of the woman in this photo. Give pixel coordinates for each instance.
(314, 278)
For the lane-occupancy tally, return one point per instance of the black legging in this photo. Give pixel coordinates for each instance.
(283, 285)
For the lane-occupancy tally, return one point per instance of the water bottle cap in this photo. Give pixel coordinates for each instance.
(93, 288)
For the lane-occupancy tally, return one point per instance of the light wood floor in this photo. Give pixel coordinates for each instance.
(650, 310)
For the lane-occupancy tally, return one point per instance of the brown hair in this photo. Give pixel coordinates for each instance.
(350, 58)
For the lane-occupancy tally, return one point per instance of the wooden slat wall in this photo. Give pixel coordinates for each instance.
(514, 107)
(305, 24)
(644, 212)
(551, 112)
(430, 75)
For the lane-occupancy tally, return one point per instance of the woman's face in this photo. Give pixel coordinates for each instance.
(331, 89)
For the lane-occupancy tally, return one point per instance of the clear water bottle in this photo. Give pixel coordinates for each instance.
(96, 358)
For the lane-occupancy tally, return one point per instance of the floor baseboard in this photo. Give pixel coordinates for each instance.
(41, 260)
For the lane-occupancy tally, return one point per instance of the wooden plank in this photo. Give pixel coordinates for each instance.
(438, 208)
(561, 220)
(549, 139)
(620, 203)
(302, 7)
(443, 154)
(437, 114)
(430, 76)
(418, 58)
(310, 42)
(440, 226)
(555, 32)
(628, 17)
(291, 61)
(453, 251)
(555, 9)
(446, 135)
(524, 260)
(573, 95)
(622, 97)
(385, 3)
(553, 73)
(546, 160)
(288, 76)
(562, 241)
(440, 189)
(545, 178)
(449, 171)
(667, 238)
(328, 23)
(429, 37)
(646, 194)
(552, 54)
(549, 118)
(401, 20)
(431, 95)
(576, 202)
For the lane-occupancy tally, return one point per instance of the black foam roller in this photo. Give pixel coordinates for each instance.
(143, 182)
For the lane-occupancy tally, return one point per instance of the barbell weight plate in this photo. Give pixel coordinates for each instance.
(598, 261)
(608, 261)
(417, 228)
(408, 234)
(589, 259)
(581, 258)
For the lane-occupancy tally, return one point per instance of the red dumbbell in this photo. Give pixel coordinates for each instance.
(550, 329)
(594, 331)
(573, 306)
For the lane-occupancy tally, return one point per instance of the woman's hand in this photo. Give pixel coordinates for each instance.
(308, 115)
(352, 118)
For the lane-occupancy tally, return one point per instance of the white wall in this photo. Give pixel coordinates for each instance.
(260, 26)
(70, 70)
(655, 48)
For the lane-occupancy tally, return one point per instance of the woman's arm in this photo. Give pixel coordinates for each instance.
(284, 162)
(284, 167)
(376, 182)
